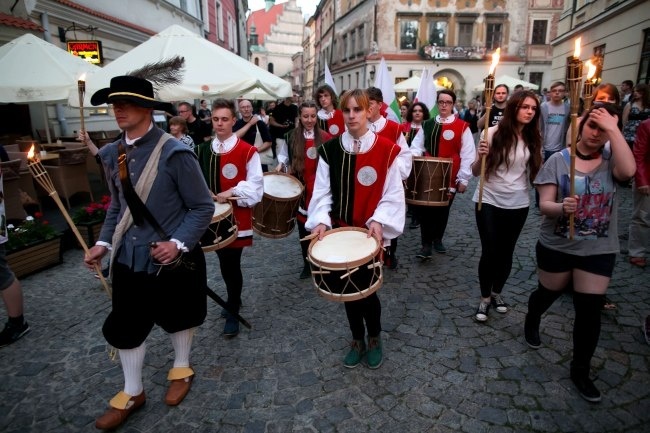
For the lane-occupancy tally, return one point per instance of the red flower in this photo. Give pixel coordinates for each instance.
(38, 215)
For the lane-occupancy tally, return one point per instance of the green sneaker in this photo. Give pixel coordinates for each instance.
(374, 357)
(356, 353)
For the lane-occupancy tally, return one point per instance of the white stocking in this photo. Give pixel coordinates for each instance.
(132, 361)
(182, 342)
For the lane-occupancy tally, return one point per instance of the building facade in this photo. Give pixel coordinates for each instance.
(455, 38)
(119, 30)
(275, 36)
(616, 33)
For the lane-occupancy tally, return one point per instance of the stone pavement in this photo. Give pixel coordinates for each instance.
(442, 372)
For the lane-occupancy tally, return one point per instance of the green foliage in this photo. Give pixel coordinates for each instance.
(32, 231)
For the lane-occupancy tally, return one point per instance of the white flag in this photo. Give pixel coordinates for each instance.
(385, 83)
(427, 92)
(329, 80)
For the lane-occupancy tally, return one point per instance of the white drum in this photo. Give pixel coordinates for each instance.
(222, 231)
(346, 265)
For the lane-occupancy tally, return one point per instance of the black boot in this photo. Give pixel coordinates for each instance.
(586, 331)
(585, 386)
(531, 331)
(538, 302)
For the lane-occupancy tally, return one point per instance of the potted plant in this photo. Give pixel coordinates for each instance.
(32, 245)
(89, 219)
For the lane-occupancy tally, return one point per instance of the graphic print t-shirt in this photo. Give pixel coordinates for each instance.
(595, 221)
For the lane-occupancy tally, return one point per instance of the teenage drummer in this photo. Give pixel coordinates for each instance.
(445, 136)
(358, 184)
(232, 168)
(393, 131)
(297, 155)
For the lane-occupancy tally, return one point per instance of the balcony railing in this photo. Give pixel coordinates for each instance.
(435, 52)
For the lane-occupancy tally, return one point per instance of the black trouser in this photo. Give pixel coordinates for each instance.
(230, 264)
(499, 230)
(368, 309)
(304, 245)
(174, 299)
(433, 221)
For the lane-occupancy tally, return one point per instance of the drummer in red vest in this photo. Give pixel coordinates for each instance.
(392, 131)
(232, 168)
(330, 118)
(445, 136)
(358, 184)
(297, 155)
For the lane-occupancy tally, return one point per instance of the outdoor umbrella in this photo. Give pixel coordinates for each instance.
(210, 71)
(34, 70)
(411, 85)
(509, 81)
(257, 94)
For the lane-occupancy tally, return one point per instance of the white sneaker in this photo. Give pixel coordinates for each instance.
(499, 304)
(482, 311)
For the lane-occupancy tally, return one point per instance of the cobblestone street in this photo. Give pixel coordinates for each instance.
(442, 371)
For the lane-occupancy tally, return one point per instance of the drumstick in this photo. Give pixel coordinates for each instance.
(309, 237)
(234, 198)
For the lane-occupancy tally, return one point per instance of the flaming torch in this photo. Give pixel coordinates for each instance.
(81, 88)
(588, 88)
(574, 78)
(489, 92)
(43, 178)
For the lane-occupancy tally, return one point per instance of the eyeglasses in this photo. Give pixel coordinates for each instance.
(183, 111)
(443, 103)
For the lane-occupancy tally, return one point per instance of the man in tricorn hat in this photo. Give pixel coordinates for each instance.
(158, 268)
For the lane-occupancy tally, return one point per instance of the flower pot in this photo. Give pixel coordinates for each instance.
(35, 257)
(90, 232)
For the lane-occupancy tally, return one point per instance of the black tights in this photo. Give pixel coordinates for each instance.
(230, 264)
(586, 326)
(433, 221)
(304, 245)
(499, 230)
(368, 308)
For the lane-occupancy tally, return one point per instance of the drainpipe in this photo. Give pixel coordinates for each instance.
(60, 113)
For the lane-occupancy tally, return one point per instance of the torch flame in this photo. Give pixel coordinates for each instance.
(591, 71)
(495, 60)
(576, 51)
(30, 154)
(82, 77)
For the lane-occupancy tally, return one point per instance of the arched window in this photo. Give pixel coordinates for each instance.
(256, 61)
(270, 67)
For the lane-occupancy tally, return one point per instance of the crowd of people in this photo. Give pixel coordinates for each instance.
(353, 164)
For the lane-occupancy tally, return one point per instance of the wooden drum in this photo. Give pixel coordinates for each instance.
(346, 265)
(428, 183)
(275, 216)
(222, 231)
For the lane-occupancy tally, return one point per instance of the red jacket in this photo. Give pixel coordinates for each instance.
(641, 151)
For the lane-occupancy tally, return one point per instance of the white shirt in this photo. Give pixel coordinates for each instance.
(251, 189)
(391, 209)
(404, 159)
(282, 148)
(467, 150)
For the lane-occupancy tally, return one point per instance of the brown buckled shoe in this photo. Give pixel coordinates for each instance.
(181, 382)
(120, 408)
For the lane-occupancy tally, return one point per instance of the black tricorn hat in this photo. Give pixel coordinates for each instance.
(133, 89)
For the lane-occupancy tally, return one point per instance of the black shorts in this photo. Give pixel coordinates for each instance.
(556, 261)
(174, 300)
(6, 276)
